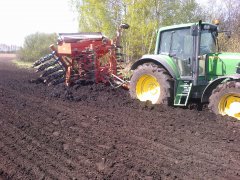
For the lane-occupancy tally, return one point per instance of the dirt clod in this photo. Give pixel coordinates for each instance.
(92, 131)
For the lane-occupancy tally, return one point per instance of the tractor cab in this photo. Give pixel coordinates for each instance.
(186, 65)
(187, 44)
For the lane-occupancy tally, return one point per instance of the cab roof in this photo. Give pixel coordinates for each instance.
(181, 26)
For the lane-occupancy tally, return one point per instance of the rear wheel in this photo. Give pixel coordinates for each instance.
(225, 99)
(151, 83)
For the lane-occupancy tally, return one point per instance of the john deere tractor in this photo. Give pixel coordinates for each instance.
(186, 65)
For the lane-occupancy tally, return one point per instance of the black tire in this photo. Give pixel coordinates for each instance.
(218, 100)
(160, 75)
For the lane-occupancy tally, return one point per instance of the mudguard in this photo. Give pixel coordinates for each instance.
(211, 86)
(158, 60)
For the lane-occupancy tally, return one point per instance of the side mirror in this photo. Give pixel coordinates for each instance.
(124, 26)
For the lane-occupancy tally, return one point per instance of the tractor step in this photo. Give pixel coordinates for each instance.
(182, 94)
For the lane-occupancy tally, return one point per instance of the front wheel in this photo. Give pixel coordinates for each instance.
(151, 83)
(225, 99)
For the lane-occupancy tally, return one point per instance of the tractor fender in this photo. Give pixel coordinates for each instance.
(156, 60)
(211, 86)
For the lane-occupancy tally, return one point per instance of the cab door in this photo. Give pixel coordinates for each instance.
(178, 44)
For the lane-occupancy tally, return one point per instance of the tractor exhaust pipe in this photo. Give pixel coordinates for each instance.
(196, 32)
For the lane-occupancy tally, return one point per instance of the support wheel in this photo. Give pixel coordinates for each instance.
(225, 99)
(151, 83)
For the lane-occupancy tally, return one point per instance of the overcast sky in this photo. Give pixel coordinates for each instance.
(20, 18)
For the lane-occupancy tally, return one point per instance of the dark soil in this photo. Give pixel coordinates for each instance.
(96, 132)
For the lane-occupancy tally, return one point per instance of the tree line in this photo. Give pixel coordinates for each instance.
(4, 48)
(228, 13)
(36, 46)
(145, 17)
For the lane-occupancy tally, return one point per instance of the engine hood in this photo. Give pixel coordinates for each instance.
(229, 56)
(221, 64)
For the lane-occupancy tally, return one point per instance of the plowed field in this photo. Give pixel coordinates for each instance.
(95, 132)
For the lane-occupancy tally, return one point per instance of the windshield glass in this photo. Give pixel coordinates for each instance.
(179, 44)
(208, 44)
(182, 43)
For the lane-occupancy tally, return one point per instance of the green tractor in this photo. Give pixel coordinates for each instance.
(186, 65)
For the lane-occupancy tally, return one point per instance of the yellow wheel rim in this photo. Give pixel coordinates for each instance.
(230, 105)
(148, 88)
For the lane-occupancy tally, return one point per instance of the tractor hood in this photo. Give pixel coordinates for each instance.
(221, 64)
